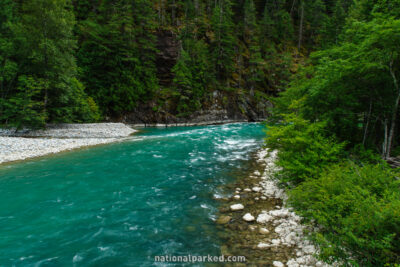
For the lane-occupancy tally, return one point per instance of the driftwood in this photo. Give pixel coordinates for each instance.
(394, 162)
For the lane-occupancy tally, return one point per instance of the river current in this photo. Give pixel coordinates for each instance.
(122, 204)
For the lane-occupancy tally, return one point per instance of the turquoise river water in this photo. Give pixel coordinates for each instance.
(122, 204)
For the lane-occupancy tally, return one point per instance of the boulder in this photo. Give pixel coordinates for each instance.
(248, 217)
(236, 207)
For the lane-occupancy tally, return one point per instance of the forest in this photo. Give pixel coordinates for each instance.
(329, 68)
(85, 60)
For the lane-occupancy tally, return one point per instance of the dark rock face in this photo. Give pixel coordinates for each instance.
(243, 110)
(219, 108)
(169, 48)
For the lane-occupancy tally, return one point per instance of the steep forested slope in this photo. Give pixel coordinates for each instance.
(149, 61)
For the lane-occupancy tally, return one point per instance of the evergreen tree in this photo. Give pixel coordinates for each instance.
(223, 43)
(251, 34)
(117, 55)
(8, 67)
(41, 79)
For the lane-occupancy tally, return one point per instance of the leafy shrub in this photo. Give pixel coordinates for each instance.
(304, 149)
(358, 211)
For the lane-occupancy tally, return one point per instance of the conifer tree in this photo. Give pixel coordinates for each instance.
(117, 55)
(223, 43)
(251, 34)
(45, 51)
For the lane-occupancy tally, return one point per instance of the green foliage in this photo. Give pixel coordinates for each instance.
(38, 70)
(357, 209)
(347, 94)
(223, 44)
(304, 149)
(116, 55)
(192, 77)
(23, 109)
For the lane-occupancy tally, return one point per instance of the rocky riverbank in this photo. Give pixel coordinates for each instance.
(259, 226)
(26, 144)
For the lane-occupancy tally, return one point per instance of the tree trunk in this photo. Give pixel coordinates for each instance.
(173, 12)
(394, 113)
(367, 122)
(385, 141)
(301, 26)
(292, 8)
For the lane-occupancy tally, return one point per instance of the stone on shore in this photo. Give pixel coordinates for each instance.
(264, 218)
(248, 217)
(236, 207)
(263, 245)
(256, 189)
(278, 264)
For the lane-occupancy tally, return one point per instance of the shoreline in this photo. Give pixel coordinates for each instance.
(189, 124)
(258, 224)
(58, 138)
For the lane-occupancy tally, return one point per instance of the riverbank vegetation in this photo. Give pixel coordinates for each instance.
(335, 127)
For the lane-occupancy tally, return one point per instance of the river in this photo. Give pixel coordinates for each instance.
(122, 204)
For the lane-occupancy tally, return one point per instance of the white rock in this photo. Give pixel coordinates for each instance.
(256, 189)
(292, 263)
(256, 199)
(236, 207)
(247, 190)
(264, 218)
(279, 213)
(264, 231)
(248, 217)
(257, 173)
(278, 264)
(238, 189)
(263, 245)
(275, 242)
(309, 249)
(263, 198)
(236, 197)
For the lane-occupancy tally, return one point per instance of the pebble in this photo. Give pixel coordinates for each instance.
(236, 207)
(248, 217)
(247, 190)
(263, 231)
(263, 245)
(236, 197)
(264, 218)
(278, 264)
(256, 189)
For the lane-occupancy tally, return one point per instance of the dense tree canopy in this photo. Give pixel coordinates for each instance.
(76, 53)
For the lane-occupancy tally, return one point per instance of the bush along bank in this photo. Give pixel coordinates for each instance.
(352, 196)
